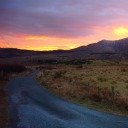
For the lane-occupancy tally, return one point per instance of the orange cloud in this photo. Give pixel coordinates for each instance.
(32, 37)
(34, 42)
(45, 48)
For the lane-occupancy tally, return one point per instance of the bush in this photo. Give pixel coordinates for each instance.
(12, 68)
(59, 74)
(101, 79)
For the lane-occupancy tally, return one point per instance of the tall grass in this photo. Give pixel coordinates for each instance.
(106, 84)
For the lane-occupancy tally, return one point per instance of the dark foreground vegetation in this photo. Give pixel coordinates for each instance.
(3, 106)
(12, 68)
(6, 70)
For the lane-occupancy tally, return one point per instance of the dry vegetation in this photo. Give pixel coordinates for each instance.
(100, 85)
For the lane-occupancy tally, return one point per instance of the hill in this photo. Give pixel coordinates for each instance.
(104, 49)
(106, 46)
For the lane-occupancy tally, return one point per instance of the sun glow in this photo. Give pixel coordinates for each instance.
(121, 31)
(45, 48)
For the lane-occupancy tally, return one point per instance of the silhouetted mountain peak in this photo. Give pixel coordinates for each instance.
(118, 47)
(106, 46)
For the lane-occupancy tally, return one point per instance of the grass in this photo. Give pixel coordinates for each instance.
(103, 107)
(100, 85)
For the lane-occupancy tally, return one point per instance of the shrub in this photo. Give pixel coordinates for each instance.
(12, 68)
(59, 74)
(123, 70)
(101, 79)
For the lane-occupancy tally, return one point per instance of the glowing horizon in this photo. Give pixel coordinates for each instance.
(50, 25)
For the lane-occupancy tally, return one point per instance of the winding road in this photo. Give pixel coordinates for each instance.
(32, 106)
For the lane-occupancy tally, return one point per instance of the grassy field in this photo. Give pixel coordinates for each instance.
(100, 85)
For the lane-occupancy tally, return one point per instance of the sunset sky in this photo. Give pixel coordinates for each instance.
(61, 24)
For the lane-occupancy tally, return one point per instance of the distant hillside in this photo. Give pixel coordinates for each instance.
(106, 46)
(13, 52)
(103, 49)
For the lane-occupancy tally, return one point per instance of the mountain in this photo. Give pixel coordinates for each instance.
(106, 46)
(104, 49)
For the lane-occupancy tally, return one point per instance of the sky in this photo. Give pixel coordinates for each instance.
(61, 24)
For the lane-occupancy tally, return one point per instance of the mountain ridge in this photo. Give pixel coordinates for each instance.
(116, 46)
(92, 51)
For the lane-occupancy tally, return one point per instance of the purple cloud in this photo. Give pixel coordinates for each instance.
(60, 18)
